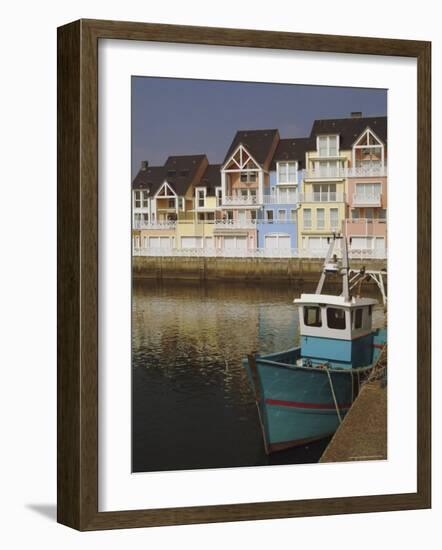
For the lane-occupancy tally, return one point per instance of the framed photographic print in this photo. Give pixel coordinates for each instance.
(243, 242)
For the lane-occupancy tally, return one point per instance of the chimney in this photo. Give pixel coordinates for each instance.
(356, 114)
(144, 165)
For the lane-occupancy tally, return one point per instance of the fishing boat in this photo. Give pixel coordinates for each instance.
(303, 393)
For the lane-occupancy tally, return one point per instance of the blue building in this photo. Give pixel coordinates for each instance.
(277, 220)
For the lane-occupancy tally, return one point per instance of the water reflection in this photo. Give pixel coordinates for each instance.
(192, 404)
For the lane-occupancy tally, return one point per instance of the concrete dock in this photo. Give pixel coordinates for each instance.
(363, 432)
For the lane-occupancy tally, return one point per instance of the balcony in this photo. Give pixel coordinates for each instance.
(331, 196)
(325, 173)
(368, 171)
(365, 227)
(367, 199)
(291, 198)
(234, 224)
(141, 224)
(240, 200)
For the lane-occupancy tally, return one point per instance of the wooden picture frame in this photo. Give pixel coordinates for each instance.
(78, 274)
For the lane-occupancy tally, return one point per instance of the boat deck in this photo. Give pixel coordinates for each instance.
(363, 432)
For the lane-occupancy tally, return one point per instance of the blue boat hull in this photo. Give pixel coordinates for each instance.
(296, 404)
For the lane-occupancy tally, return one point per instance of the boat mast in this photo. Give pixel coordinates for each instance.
(326, 262)
(332, 267)
(344, 271)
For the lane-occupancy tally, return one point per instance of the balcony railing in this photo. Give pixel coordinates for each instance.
(240, 200)
(357, 254)
(367, 199)
(234, 224)
(363, 226)
(320, 196)
(340, 172)
(329, 172)
(292, 198)
(141, 224)
(368, 171)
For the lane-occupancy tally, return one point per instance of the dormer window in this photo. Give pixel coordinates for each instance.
(368, 151)
(286, 172)
(328, 146)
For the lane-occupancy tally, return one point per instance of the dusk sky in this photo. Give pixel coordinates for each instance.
(182, 117)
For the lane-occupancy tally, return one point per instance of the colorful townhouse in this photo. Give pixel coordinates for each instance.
(344, 185)
(277, 219)
(270, 196)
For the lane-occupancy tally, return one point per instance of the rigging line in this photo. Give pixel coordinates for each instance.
(338, 412)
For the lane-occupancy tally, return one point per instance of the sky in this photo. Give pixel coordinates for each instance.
(173, 116)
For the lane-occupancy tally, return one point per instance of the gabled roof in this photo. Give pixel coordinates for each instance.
(211, 179)
(259, 144)
(349, 129)
(292, 149)
(180, 171)
(149, 179)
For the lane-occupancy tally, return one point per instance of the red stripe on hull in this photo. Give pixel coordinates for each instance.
(300, 405)
(378, 346)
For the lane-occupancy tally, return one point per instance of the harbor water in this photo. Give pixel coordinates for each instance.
(192, 406)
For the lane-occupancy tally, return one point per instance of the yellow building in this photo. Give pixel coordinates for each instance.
(323, 193)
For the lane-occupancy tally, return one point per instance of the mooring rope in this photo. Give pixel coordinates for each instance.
(338, 412)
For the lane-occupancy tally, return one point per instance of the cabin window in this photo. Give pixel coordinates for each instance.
(336, 318)
(358, 318)
(312, 316)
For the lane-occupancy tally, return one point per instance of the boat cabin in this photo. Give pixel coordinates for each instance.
(335, 330)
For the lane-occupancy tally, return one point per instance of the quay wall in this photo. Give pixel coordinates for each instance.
(237, 269)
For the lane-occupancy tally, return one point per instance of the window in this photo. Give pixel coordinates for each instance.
(210, 216)
(137, 199)
(269, 216)
(328, 169)
(328, 146)
(312, 316)
(286, 172)
(324, 192)
(368, 192)
(320, 218)
(171, 203)
(336, 318)
(253, 215)
(334, 218)
(248, 177)
(307, 218)
(282, 215)
(358, 318)
(369, 213)
(293, 215)
(201, 197)
(181, 203)
(218, 196)
(383, 214)
(355, 214)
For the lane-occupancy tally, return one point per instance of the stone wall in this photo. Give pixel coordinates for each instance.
(238, 269)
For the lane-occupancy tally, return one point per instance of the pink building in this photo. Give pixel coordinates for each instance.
(366, 221)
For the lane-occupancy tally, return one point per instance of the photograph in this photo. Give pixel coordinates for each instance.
(259, 242)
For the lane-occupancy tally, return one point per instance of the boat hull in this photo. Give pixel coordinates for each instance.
(297, 404)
